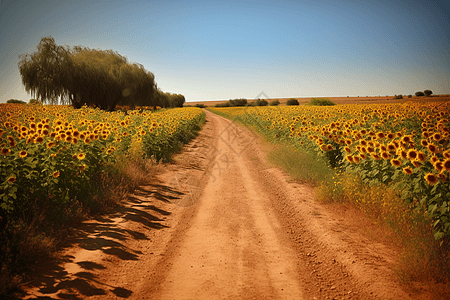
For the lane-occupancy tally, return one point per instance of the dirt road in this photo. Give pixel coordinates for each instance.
(221, 223)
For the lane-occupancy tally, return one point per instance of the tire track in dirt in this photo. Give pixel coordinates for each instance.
(232, 249)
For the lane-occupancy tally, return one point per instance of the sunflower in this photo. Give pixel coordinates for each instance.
(349, 158)
(5, 151)
(380, 135)
(329, 147)
(446, 153)
(356, 159)
(391, 147)
(11, 179)
(437, 136)
(87, 140)
(421, 156)
(347, 149)
(82, 167)
(431, 178)
(56, 174)
(446, 164)
(406, 139)
(424, 143)
(81, 156)
(412, 154)
(362, 156)
(385, 155)
(408, 170)
(432, 148)
(396, 162)
(23, 154)
(39, 139)
(439, 166)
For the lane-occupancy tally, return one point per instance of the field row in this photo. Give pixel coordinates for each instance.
(56, 153)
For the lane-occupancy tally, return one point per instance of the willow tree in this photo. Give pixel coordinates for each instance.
(46, 73)
(102, 78)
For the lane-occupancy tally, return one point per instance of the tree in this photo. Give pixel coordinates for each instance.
(45, 73)
(238, 102)
(78, 76)
(428, 93)
(420, 94)
(261, 102)
(292, 101)
(16, 101)
(274, 103)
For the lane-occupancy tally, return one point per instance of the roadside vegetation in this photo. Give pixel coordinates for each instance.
(391, 161)
(59, 164)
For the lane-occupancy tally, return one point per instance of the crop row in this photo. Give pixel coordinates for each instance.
(55, 155)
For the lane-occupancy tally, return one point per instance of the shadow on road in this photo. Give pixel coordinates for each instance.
(108, 235)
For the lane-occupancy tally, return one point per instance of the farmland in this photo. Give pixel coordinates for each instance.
(58, 163)
(405, 145)
(220, 214)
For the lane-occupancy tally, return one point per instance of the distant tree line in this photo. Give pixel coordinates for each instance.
(244, 102)
(16, 101)
(80, 75)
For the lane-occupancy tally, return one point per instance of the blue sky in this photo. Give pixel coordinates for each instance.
(210, 50)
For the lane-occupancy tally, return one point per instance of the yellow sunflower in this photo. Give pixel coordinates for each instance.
(431, 178)
(446, 164)
(412, 154)
(396, 162)
(408, 170)
(5, 151)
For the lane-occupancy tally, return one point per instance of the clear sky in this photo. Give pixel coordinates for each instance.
(210, 50)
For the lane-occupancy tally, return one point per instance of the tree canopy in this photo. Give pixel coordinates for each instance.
(78, 76)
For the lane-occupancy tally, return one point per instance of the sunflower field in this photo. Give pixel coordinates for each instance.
(402, 145)
(54, 154)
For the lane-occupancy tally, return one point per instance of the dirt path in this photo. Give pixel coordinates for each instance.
(221, 223)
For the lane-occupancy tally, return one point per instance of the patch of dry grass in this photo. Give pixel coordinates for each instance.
(422, 258)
